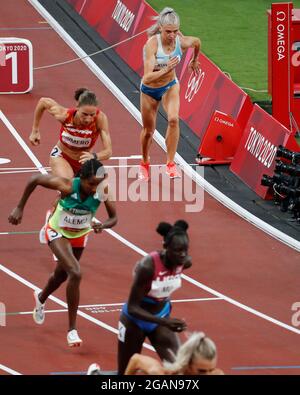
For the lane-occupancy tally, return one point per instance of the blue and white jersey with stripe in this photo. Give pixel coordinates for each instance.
(161, 57)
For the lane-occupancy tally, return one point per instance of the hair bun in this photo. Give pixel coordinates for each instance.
(182, 224)
(163, 228)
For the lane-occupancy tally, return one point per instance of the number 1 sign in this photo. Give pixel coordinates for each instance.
(15, 65)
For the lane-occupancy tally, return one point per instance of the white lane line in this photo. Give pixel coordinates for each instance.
(22, 168)
(95, 306)
(9, 370)
(22, 143)
(173, 301)
(33, 232)
(63, 304)
(143, 253)
(34, 169)
(3, 161)
(126, 157)
(211, 290)
(19, 171)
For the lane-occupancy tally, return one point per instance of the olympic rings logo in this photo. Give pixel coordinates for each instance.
(194, 84)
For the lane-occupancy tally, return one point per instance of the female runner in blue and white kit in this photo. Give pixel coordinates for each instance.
(147, 313)
(162, 53)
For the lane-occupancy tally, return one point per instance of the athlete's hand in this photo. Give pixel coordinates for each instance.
(97, 225)
(97, 228)
(175, 324)
(172, 63)
(35, 137)
(85, 156)
(15, 216)
(194, 66)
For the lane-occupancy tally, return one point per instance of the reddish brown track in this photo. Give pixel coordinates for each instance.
(229, 255)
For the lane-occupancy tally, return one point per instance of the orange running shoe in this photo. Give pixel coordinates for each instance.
(171, 170)
(144, 171)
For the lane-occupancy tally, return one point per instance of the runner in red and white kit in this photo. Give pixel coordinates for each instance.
(80, 129)
(147, 312)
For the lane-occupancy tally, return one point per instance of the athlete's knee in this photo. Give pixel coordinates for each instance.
(75, 275)
(173, 121)
(147, 133)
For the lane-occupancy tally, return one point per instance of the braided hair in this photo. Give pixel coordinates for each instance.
(90, 168)
(168, 231)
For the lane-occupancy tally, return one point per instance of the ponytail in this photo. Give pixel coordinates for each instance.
(166, 17)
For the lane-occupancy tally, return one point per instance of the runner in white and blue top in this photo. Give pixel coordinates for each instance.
(162, 53)
(162, 60)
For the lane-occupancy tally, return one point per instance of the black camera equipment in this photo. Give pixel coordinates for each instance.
(283, 152)
(277, 179)
(293, 170)
(285, 182)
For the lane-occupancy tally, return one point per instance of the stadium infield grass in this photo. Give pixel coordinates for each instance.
(234, 35)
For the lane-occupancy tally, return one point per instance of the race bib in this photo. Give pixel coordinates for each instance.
(71, 221)
(76, 141)
(56, 152)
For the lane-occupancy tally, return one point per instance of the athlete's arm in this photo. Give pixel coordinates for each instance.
(140, 288)
(105, 191)
(149, 63)
(106, 152)
(195, 43)
(64, 185)
(53, 108)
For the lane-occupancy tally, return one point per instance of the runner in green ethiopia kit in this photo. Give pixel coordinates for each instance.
(67, 231)
(72, 216)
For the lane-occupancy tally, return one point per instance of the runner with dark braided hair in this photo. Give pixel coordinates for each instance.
(67, 231)
(147, 312)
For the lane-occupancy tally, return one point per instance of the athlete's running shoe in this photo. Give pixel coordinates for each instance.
(38, 312)
(171, 170)
(144, 171)
(42, 235)
(93, 370)
(73, 339)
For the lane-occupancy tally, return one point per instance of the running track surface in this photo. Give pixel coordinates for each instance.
(230, 257)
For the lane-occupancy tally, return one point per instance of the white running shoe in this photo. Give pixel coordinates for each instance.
(93, 370)
(73, 339)
(42, 234)
(38, 311)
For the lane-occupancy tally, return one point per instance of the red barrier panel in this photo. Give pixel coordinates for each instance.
(209, 91)
(257, 149)
(118, 20)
